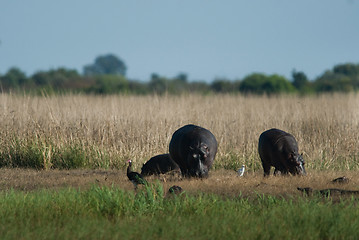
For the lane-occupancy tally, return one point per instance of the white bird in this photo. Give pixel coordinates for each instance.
(241, 171)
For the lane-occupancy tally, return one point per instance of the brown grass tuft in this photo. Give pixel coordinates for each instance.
(139, 127)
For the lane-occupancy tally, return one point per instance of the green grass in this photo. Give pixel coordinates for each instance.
(43, 154)
(112, 213)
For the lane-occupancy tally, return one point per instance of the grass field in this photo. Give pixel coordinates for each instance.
(112, 213)
(102, 132)
(63, 164)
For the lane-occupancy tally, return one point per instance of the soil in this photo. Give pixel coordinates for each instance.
(222, 182)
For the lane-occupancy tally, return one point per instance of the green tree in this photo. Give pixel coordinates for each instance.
(222, 86)
(300, 80)
(253, 83)
(331, 82)
(348, 69)
(110, 84)
(14, 78)
(342, 78)
(183, 77)
(106, 65)
(158, 84)
(137, 87)
(56, 78)
(199, 87)
(259, 83)
(178, 84)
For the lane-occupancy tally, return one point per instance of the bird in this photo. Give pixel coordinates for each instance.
(134, 177)
(175, 189)
(241, 170)
(341, 180)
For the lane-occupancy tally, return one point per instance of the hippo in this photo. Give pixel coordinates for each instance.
(279, 149)
(158, 165)
(193, 148)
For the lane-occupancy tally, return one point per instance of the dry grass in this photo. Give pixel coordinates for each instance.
(221, 182)
(138, 127)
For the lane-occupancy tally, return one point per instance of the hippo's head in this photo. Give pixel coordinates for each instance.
(197, 161)
(297, 163)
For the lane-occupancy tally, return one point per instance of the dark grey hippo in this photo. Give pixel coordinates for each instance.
(193, 148)
(280, 150)
(158, 165)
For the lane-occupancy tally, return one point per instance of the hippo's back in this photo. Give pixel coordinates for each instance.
(271, 136)
(158, 165)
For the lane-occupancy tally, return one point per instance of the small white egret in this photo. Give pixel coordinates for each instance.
(241, 171)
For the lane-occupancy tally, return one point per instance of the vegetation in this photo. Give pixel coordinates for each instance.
(103, 131)
(111, 213)
(107, 75)
(106, 65)
(260, 84)
(80, 131)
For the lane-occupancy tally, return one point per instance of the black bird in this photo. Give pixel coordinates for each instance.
(341, 180)
(134, 177)
(175, 189)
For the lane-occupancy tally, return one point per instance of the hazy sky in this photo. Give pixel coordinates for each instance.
(205, 39)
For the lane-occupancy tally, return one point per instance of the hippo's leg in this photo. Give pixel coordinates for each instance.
(280, 171)
(266, 168)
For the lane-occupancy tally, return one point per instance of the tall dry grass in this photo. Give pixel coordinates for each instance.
(111, 129)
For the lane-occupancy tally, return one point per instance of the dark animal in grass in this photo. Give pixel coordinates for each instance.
(175, 189)
(159, 164)
(279, 149)
(340, 180)
(193, 148)
(135, 177)
(327, 192)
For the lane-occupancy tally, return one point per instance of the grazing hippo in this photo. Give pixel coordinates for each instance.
(193, 148)
(280, 150)
(158, 165)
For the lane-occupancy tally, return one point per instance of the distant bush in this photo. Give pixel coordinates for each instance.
(224, 86)
(343, 78)
(258, 83)
(107, 76)
(14, 79)
(109, 84)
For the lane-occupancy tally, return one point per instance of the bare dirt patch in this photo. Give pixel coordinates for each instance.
(222, 182)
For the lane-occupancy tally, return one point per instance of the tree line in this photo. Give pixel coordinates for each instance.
(107, 75)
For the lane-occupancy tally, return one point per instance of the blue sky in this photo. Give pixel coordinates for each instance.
(205, 39)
